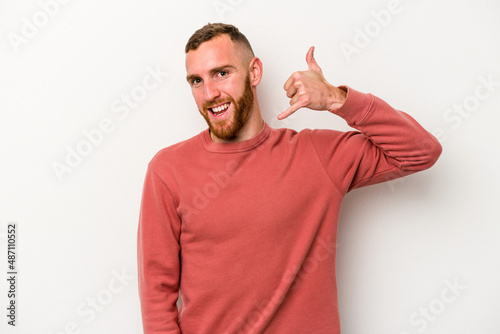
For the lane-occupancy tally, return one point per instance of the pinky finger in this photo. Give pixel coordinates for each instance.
(290, 110)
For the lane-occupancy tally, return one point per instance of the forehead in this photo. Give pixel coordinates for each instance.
(217, 52)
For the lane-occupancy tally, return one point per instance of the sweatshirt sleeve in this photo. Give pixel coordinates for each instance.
(158, 257)
(388, 145)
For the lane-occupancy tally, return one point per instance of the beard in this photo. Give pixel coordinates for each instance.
(227, 129)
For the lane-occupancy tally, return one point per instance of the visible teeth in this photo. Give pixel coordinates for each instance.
(221, 108)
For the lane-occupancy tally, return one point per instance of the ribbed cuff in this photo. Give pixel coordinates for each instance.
(356, 106)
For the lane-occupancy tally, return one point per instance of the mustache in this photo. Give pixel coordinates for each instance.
(207, 105)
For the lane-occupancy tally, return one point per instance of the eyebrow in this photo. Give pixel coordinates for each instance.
(212, 71)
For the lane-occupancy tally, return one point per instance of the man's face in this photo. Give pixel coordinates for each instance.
(220, 84)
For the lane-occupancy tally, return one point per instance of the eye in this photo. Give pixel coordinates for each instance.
(195, 81)
(222, 73)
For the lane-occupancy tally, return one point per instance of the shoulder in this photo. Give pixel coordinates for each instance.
(320, 139)
(177, 152)
(291, 135)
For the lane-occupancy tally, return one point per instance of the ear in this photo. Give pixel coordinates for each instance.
(255, 71)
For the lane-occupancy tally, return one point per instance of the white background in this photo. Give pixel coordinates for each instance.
(399, 242)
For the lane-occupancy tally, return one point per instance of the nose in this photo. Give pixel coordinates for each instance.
(211, 91)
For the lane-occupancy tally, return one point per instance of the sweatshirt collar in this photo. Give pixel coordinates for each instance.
(236, 147)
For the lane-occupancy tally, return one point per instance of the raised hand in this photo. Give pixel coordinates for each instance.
(309, 89)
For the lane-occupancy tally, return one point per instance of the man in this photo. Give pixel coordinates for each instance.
(241, 219)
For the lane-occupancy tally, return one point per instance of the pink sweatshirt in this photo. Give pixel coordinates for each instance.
(247, 231)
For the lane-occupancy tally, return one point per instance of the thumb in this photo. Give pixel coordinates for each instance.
(311, 62)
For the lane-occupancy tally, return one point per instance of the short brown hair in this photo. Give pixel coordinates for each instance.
(212, 30)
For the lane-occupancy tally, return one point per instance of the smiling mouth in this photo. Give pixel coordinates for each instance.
(220, 109)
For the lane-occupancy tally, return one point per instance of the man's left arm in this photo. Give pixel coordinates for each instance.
(391, 143)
